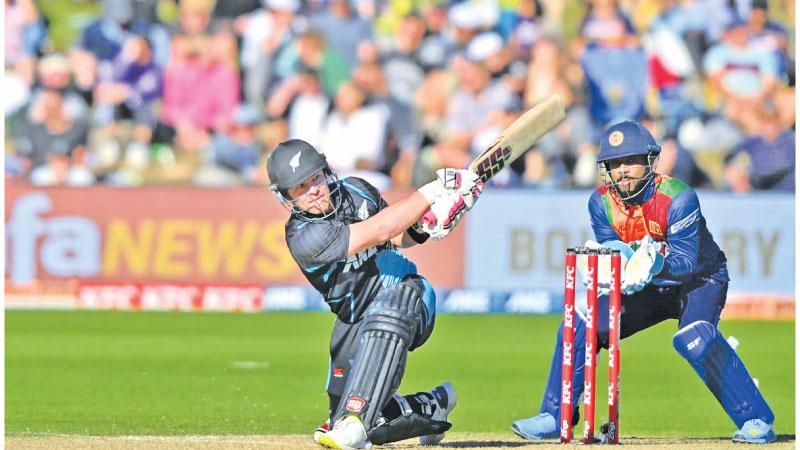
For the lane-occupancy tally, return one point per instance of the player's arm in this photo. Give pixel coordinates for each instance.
(388, 223)
(683, 237)
(411, 237)
(601, 223)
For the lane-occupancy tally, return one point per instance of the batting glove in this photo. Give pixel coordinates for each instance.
(465, 182)
(445, 213)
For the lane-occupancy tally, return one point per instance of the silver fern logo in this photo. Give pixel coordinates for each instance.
(294, 163)
(363, 211)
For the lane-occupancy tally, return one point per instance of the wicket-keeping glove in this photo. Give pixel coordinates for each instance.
(646, 261)
(604, 264)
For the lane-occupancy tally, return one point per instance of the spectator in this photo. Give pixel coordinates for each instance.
(474, 116)
(301, 99)
(527, 28)
(435, 47)
(125, 105)
(55, 73)
(353, 136)
(466, 22)
(53, 143)
(129, 85)
(199, 63)
(310, 51)
(105, 37)
(430, 104)
(671, 69)
(616, 75)
(233, 154)
(226, 12)
(344, 31)
(265, 33)
(403, 64)
(769, 36)
(25, 31)
(567, 156)
(764, 161)
(402, 140)
(674, 160)
(606, 25)
(489, 49)
(742, 75)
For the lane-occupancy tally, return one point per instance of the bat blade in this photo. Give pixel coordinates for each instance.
(519, 137)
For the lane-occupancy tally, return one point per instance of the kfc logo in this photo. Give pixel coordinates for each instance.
(566, 392)
(590, 278)
(570, 282)
(568, 316)
(567, 359)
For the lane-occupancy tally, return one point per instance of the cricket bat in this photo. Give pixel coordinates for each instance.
(519, 137)
(514, 141)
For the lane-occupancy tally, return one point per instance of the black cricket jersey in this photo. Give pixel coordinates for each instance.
(348, 284)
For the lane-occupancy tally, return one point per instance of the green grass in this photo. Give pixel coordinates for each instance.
(131, 373)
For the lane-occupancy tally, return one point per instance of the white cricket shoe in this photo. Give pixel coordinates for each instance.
(348, 433)
(322, 429)
(446, 398)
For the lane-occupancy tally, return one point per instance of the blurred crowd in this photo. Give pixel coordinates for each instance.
(198, 92)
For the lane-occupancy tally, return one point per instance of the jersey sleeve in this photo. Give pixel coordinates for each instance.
(316, 244)
(365, 190)
(683, 237)
(603, 231)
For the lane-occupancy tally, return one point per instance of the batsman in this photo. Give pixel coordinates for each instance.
(345, 238)
(672, 269)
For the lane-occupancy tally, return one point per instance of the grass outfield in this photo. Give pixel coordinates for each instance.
(159, 374)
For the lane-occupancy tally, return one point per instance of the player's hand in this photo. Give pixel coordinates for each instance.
(645, 262)
(445, 213)
(465, 182)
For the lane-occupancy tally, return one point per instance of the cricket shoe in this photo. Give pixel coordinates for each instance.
(755, 431)
(446, 400)
(322, 429)
(348, 433)
(538, 427)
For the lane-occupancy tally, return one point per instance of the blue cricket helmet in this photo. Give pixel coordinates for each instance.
(626, 138)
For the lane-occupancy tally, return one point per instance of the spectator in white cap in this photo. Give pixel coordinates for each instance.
(265, 33)
(489, 48)
(55, 73)
(465, 22)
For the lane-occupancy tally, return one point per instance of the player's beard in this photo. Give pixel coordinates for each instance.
(628, 188)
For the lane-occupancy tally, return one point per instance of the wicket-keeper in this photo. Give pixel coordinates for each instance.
(674, 270)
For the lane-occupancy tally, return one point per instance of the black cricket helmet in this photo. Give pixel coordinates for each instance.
(291, 163)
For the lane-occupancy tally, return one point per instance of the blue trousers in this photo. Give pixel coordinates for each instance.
(700, 299)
